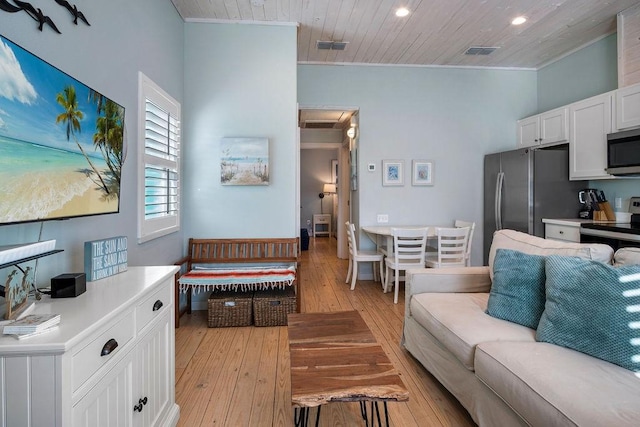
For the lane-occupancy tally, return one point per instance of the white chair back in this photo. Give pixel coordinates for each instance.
(351, 238)
(409, 245)
(472, 226)
(452, 246)
(356, 256)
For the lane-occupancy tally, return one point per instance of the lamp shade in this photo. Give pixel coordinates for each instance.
(329, 188)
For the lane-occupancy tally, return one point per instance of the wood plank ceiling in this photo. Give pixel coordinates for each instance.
(436, 32)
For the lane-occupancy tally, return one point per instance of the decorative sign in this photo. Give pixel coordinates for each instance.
(104, 258)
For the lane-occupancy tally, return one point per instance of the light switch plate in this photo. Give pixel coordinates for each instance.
(371, 167)
(383, 218)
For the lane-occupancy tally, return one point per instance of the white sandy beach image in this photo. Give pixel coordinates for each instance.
(57, 184)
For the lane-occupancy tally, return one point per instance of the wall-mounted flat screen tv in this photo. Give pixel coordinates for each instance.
(61, 142)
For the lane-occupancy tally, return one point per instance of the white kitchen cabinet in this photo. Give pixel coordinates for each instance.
(566, 230)
(563, 233)
(62, 379)
(627, 107)
(529, 132)
(554, 126)
(550, 127)
(589, 123)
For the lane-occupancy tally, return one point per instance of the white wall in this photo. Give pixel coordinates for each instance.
(451, 116)
(124, 37)
(240, 81)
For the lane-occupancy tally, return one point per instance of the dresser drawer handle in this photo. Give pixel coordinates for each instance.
(157, 306)
(111, 345)
(141, 403)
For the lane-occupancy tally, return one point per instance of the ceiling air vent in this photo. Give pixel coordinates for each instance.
(319, 125)
(339, 45)
(330, 45)
(480, 50)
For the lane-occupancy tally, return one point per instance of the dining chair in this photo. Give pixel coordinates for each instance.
(356, 256)
(472, 226)
(408, 252)
(452, 248)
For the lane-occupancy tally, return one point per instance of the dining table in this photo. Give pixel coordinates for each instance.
(381, 235)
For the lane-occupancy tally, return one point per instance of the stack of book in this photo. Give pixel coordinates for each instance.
(32, 325)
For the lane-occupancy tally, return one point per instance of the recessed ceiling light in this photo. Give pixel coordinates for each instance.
(519, 20)
(401, 12)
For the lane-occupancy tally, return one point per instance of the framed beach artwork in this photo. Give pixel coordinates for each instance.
(422, 172)
(244, 161)
(392, 172)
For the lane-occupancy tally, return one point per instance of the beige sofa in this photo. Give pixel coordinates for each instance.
(495, 368)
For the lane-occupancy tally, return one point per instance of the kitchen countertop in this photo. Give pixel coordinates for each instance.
(573, 222)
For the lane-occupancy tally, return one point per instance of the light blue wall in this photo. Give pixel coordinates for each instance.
(585, 73)
(451, 116)
(240, 81)
(124, 37)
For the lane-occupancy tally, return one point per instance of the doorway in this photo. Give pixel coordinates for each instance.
(324, 159)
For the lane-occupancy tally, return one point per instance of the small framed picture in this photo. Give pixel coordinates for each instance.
(392, 172)
(422, 172)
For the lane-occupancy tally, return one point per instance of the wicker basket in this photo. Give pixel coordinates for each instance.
(229, 309)
(270, 308)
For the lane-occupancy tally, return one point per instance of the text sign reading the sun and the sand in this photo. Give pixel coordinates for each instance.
(104, 258)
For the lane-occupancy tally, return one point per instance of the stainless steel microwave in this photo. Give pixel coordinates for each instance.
(623, 152)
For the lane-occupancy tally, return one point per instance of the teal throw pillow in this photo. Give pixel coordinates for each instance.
(593, 308)
(517, 292)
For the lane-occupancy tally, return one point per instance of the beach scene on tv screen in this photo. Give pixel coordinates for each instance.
(61, 142)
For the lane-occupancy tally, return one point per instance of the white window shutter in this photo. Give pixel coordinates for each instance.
(159, 167)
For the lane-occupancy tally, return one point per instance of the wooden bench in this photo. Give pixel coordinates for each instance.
(236, 251)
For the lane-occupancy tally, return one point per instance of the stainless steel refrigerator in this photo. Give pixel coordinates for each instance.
(523, 186)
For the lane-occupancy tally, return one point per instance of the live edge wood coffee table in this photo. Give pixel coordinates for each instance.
(335, 358)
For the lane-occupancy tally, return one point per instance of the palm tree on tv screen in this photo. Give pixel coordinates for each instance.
(71, 118)
(109, 137)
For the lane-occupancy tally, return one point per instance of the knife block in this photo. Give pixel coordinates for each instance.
(605, 208)
(599, 215)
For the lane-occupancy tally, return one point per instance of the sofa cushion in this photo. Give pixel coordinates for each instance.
(589, 308)
(460, 323)
(549, 385)
(522, 242)
(517, 292)
(626, 256)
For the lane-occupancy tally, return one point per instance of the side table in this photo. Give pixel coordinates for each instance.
(324, 221)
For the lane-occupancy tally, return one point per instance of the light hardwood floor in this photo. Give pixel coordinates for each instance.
(240, 376)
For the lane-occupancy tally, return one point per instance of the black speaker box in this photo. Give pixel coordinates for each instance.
(68, 285)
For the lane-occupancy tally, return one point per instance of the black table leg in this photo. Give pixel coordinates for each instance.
(301, 416)
(375, 414)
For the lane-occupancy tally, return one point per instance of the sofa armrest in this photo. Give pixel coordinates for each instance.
(453, 279)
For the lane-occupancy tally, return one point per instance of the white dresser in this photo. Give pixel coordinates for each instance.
(64, 378)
